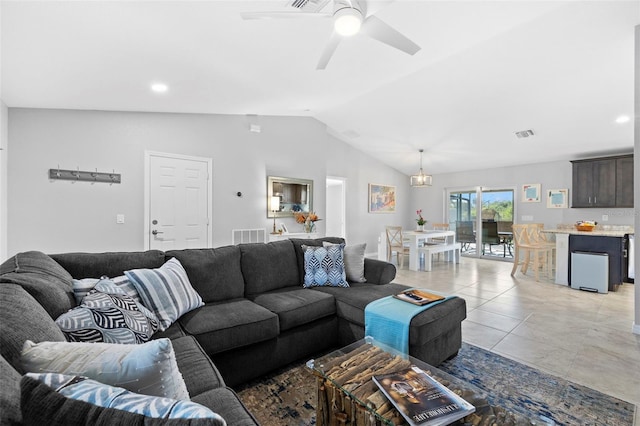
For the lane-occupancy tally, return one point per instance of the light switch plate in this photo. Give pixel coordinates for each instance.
(119, 218)
(605, 217)
(527, 218)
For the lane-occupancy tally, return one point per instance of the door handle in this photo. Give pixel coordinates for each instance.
(156, 232)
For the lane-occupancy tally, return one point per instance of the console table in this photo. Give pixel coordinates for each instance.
(287, 235)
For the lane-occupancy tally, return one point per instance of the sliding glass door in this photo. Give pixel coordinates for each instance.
(482, 219)
(462, 218)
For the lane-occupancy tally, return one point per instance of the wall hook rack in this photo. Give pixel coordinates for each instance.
(79, 175)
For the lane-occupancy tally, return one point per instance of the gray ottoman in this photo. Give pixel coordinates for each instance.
(435, 335)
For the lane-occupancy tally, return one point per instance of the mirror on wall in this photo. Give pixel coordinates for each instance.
(295, 195)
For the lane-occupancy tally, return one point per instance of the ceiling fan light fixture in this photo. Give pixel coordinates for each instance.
(421, 179)
(347, 21)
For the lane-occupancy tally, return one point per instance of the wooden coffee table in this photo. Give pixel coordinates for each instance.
(348, 396)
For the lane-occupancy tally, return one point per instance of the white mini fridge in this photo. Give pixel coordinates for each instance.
(590, 271)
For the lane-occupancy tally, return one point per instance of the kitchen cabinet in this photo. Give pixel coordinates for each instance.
(624, 181)
(603, 182)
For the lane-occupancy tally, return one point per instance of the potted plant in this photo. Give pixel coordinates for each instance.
(420, 220)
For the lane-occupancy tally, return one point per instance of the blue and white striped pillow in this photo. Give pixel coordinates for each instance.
(166, 291)
(101, 395)
(82, 287)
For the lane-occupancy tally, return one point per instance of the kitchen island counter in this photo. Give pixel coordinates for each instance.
(563, 249)
(595, 232)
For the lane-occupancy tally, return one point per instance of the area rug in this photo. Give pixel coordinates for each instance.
(288, 396)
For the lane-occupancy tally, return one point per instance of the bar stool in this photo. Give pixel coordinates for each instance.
(528, 243)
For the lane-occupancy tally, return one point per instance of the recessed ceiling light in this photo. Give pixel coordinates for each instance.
(623, 119)
(159, 87)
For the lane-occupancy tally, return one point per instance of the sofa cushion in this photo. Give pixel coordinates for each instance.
(317, 242)
(350, 304)
(198, 371)
(166, 291)
(42, 405)
(148, 368)
(225, 402)
(214, 273)
(22, 318)
(227, 325)
(324, 266)
(269, 266)
(108, 314)
(43, 278)
(113, 264)
(296, 306)
(173, 332)
(106, 396)
(9, 394)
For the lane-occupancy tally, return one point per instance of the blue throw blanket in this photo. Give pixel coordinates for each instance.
(387, 320)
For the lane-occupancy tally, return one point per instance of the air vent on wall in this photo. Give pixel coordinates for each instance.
(308, 5)
(524, 133)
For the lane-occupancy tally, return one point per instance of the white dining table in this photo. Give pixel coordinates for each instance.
(415, 237)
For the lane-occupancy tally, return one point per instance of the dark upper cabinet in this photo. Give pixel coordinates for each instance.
(624, 181)
(603, 182)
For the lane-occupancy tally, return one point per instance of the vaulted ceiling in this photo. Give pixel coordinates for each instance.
(486, 69)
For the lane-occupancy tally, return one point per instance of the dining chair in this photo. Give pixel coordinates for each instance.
(528, 245)
(465, 234)
(395, 242)
(490, 236)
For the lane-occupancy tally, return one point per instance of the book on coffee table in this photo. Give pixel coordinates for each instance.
(418, 297)
(421, 399)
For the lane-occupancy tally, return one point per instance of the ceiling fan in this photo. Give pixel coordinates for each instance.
(349, 18)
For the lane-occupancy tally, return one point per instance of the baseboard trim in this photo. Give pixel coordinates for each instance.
(636, 328)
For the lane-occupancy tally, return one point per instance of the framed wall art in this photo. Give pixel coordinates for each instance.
(557, 198)
(382, 198)
(531, 193)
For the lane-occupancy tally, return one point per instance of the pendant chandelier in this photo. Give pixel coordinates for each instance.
(421, 179)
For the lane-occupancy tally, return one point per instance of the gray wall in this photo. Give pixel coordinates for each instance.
(58, 216)
(552, 175)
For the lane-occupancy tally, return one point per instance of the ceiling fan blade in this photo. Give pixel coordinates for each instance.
(327, 53)
(282, 15)
(377, 29)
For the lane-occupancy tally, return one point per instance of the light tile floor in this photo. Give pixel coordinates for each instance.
(580, 336)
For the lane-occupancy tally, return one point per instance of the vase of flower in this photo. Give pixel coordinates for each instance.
(307, 220)
(420, 220)
(309, 226)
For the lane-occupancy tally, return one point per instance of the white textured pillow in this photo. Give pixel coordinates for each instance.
(149, 368)
(353, 261)
(166, 291)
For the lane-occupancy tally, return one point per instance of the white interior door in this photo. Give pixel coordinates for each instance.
(179, 202)
(335, 225)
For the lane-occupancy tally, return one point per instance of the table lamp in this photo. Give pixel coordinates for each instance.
(275, 207)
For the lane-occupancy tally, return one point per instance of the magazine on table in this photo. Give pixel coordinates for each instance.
(418, 297)
(421, 399)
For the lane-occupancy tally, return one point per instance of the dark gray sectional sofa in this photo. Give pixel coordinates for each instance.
(257, 317)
